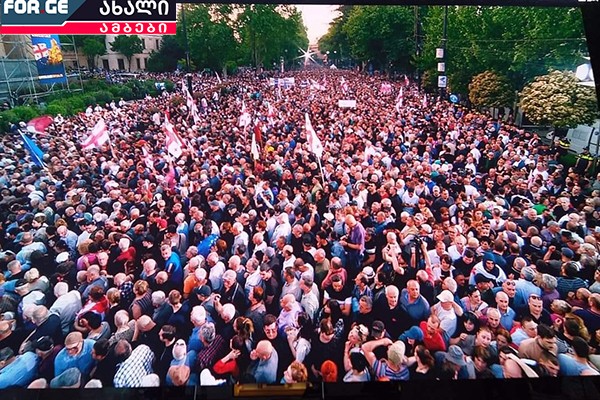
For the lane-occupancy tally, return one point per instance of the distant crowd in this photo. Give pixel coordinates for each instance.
(428, 241)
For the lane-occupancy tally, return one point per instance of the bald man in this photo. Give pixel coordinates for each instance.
(8, 338)
(265, 361)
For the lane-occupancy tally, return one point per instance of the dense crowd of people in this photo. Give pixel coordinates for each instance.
(429, 241)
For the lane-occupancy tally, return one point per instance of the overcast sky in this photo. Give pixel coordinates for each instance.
(317, 19)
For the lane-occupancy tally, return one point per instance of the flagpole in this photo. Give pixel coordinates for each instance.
(321, 169)
(112, 150)
(44, 166)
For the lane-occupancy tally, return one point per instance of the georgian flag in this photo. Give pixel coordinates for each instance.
(399, 100)
(40, 51)
(173, 142)
(344, 85)
(254, 147)
(97, 138)
(314, 143)
(245, 118)
(39, 124)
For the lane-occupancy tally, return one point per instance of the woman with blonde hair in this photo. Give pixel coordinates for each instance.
(295, 373)
(142, 303)
(87, 250)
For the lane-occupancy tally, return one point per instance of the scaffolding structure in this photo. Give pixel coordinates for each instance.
(19, 79)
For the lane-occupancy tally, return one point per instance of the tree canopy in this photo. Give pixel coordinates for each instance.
(490, 89)
(559, 100)
(519, 42)
(91, 46)
(225, 36)
(128, 46)
(167, 56)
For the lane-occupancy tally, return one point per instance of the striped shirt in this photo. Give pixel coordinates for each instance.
(383, 370)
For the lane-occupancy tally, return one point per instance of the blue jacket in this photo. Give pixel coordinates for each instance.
(82, 361)
(21, 372)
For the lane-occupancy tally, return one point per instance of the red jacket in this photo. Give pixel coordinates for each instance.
(432, 343)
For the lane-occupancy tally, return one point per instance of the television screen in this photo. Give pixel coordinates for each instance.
(302, 194)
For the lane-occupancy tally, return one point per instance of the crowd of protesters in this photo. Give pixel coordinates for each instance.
(428, 242)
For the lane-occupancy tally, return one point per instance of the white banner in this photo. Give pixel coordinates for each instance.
(285, 82)
(347, 103)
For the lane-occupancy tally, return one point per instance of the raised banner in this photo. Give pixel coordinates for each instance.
(282, 82)
(48, 59)
(347, 103)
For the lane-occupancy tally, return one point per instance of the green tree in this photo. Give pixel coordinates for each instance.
(270, 31)
(382, 35)
(557, 99)
(336, 39)
(128, 46)
(490, 89)
(165, 59)
(210, 35)
(91, 46)
(521, 42)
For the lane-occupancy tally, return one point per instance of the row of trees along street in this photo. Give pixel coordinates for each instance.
(495, 56)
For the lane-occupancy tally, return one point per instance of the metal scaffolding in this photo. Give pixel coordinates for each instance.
(19, 80)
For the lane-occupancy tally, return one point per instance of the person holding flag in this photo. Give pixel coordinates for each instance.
(97, 138)
(36, 154)
(173, 141)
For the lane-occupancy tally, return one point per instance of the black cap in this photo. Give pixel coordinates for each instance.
(204, 290)
(44, 343)
(149, 238)
(480, 278)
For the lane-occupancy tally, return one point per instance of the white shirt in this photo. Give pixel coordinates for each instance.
(447, 319)
(215, 276)
(66, 307)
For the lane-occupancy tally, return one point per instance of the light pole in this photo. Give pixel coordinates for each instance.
(187, 49)
(442, 78)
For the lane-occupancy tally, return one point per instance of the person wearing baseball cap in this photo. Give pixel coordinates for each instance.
(450, 364)
(46, 350)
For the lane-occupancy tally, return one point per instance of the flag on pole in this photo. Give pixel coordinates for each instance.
(258, 132)
(406, 81)
(425, 104)
(36, 154)
(218, 78)
(148, 160)
(399, 100)
(188, 97)
(39, 124)
(270, 114)
(196, 114)
(245, 118)
(174, 143)
(314, 143)
(344, 85)
(97, 138)
(254, 146)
